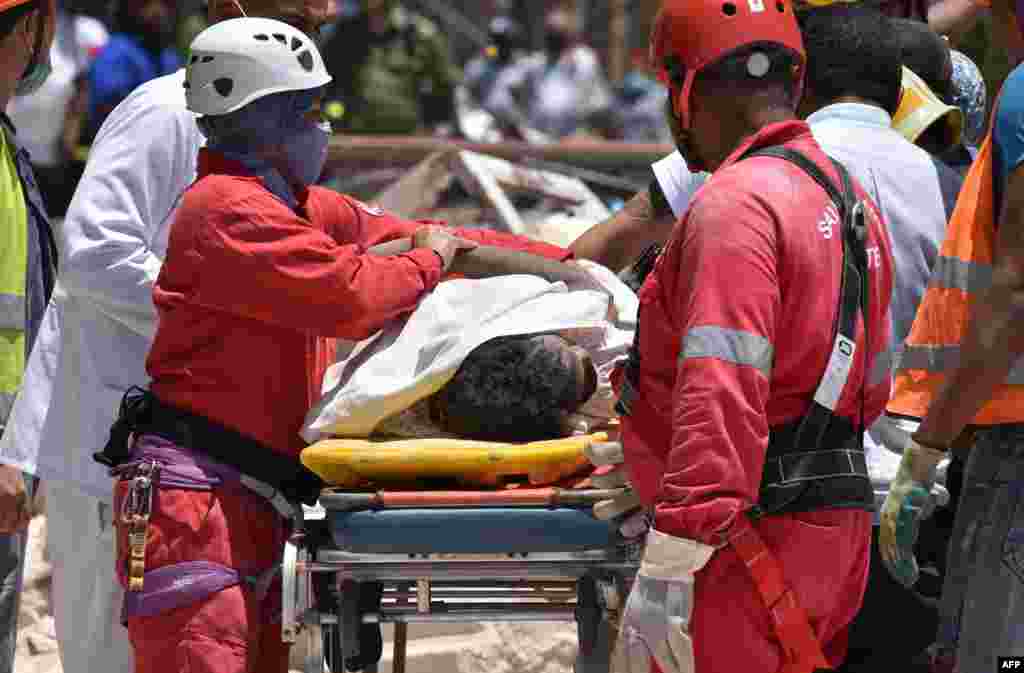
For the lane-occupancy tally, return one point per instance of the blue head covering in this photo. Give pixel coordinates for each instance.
(277, 120)
(969, 95)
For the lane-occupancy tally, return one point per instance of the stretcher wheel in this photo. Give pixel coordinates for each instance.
(328, 601)
(596, 632)
(361, 645)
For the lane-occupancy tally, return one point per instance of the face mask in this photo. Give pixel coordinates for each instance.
(304, 155)
(34, 77)
(37, 72)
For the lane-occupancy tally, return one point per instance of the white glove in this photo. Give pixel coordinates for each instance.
(634, 520)
(656, 621)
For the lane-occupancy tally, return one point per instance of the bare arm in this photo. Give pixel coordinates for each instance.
(953, 17)
(487, 261)
(994, 339)
(617, 241)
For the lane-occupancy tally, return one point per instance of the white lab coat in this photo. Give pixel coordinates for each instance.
(92, 347)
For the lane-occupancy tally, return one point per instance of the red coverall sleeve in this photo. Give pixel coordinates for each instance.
(280, 270)
(725, 305)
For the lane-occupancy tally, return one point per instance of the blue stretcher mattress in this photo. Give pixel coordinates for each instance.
(470, 531)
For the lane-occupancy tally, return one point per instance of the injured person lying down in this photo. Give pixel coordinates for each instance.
(510, 359)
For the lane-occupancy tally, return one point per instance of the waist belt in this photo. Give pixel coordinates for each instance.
(142, 413)
(801, 649)
(832, 474)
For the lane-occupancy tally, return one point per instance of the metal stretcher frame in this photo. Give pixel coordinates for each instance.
(586, 587)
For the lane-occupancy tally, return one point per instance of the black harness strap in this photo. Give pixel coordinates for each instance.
(817, 461)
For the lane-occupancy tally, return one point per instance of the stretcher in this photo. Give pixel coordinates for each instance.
(526, 555)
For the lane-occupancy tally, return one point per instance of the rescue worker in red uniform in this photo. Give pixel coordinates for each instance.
(748, 387)
(263, 272)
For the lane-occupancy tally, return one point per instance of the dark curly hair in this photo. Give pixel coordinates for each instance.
(852, 51)
(926, 53)
(509, 389)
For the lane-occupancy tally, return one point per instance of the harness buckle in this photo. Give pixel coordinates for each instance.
(135, 513)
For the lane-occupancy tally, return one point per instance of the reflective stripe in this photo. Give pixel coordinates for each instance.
(12, 311)
(944, 359)
(956, 274)
(881, 368)
(738, 347)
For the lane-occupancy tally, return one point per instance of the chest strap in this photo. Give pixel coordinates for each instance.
(818, 461)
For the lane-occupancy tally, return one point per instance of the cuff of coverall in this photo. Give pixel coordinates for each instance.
(670, 558)
(430, 263)
(709, 522)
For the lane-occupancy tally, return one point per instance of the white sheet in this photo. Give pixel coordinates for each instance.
(414, 357)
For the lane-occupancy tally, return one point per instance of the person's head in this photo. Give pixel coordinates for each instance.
(517, 389)
(561, 31)
(27, 29)
(925, 120)
(379, 8)
(506, 36)
(926, 53)
(257, 84)
(151, 20)
(731, 67)
(308, 16)
(971, 96)
(852, 55)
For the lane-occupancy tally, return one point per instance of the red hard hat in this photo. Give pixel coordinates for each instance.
(10, 4)
(689, 35)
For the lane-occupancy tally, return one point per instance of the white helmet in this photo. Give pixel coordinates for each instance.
(237, 61)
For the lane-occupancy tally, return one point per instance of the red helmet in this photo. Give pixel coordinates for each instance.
(689, 35)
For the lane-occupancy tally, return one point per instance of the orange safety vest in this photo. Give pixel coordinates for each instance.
(962, 272)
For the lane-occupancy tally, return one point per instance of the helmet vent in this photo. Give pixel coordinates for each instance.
(224, 86)
(306, 61)
(262, 37)
(781, 7)
(194, 59)
(729, 9)
(281, 38)
(296, 44)
(207, 59)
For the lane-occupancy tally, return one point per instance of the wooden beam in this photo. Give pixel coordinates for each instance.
(412, 149)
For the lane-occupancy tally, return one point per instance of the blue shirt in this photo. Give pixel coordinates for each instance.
(120, 68)
(1008, 133)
